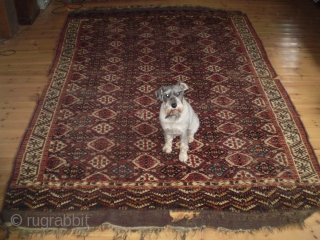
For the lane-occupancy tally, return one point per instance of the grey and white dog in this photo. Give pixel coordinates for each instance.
(177, 118)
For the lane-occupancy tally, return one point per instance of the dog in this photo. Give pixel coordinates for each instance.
(177, 118)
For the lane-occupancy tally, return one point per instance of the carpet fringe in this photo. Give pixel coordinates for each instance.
(122, 233)
(179, 226)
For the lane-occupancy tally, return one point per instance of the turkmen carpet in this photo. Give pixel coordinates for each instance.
(93, 150)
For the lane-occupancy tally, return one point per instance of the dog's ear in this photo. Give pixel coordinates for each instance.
(184, 86)
(159, 94)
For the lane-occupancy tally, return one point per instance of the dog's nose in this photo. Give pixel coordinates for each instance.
(173, 105)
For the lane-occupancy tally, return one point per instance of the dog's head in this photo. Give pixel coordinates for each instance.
(172, 96)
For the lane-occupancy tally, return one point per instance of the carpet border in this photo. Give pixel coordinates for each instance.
(298, 121)
(261, 46)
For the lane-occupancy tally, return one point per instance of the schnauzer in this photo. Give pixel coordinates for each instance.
(177, 118)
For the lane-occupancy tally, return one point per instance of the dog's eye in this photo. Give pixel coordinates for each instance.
(167, 95)
(178, 94)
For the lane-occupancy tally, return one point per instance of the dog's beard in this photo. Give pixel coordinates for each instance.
(173, 111)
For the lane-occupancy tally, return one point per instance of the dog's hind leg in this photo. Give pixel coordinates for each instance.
(193, 129)
(168, 144)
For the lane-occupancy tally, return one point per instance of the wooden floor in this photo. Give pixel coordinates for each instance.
(289, 30)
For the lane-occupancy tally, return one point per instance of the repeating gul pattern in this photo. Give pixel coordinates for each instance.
(97, 124)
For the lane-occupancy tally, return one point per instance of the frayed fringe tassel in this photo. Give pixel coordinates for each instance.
(6, 227)
(180, 228)
(147, 232)
(123, 233)
(120, 233)
(57, 232)
(266, 228)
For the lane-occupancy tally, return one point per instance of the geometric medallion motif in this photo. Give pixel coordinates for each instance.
(145, 101)
(146, 89)
(101, 144)
(171, 171)
(234, 143)
(226, 114)
(210, 136)
(80, 136)
(265, 168)
(74, 171)
(259, 150)
(108, 88)
(146, 59)
(220, 89)
(180, 68)
(223, 101)
(194, 161)
(106, 100)
(83, 121)
(99, 161)
(104, 114)
(102, 128)
(145, 144)
(144, 114)
(239, 159)
(146, 162)
(217, 78)
(57, 146)
(146, 78)
(122, 171)
(77, 153)
(123, 153)
(144, 129)
(229, 128)
(218, 169)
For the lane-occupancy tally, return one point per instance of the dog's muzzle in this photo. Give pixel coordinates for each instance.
(173, 110)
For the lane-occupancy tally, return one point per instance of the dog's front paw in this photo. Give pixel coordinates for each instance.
(183, 157)
(190, 138)
(167, 149)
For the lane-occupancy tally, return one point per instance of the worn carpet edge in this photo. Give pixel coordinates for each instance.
(191, 222)
(297, 120)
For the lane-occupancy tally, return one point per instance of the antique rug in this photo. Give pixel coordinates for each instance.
(92, 155)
